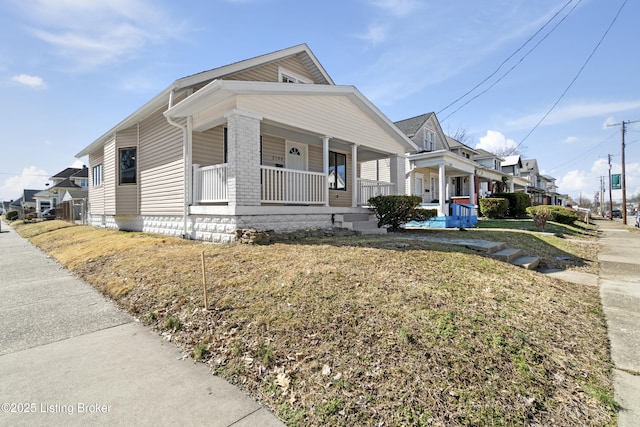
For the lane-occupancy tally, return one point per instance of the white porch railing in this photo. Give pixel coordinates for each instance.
(210, 184)
(368, 188)
(292, 186)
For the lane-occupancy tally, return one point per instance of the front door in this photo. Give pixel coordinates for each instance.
(419, 187)
(296, 156)
(296, 185)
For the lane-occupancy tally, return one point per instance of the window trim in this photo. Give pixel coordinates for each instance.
(297, 78)
(96, 175)
(334, 155)
(135, 165)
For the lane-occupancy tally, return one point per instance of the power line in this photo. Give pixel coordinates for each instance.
(615, 18)
(584, 154)
(509, 57)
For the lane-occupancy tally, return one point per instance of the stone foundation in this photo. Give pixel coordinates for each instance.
(210, 228)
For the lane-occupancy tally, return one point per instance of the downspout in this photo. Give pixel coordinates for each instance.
(185, 151)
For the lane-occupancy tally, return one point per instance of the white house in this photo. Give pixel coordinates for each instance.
(268, 143)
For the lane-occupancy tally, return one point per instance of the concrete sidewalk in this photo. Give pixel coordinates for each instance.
(68, 356)
(619, 260)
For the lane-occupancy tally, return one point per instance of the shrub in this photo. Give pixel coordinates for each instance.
(558, 213)
(541, 216)
(11, 215)
(395, 211)
(493, 207)
(518, 203)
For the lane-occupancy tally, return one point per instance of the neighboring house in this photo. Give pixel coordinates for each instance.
(512, 166)
(25, 204)
(67, 179)
(442, 171)
(542, 188)
(269, 143)
(43, 201)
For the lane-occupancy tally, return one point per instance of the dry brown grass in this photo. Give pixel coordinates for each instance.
(365, 331)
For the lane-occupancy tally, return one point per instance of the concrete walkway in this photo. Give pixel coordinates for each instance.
(68, 356)
(620, 292)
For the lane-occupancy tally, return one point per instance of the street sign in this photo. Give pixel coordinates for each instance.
(616, 182)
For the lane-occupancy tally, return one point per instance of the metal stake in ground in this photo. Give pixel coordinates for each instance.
(204, 283)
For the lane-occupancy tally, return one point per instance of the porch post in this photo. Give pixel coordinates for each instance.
(243, 158)
(355, 188)
(472, 189)
(443, 190)
(397, 163)
(325, 168)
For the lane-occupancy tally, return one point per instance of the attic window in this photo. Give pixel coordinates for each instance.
(286, 76)
(428, 139)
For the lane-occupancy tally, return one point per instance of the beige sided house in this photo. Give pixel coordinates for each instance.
(269, 143)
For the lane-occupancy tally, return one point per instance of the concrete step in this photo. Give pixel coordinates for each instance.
(528, 262)
(507, 254)
(354, 217)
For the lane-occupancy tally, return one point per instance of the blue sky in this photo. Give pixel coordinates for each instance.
(71, 69)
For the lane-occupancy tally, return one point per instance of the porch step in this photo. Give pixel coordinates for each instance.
(528, 262)
(355, 217)
(507, 254)
(363, 223)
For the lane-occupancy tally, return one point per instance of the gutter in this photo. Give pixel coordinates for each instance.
(186, 154)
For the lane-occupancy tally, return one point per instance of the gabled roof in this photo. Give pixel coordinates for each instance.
(68, 172)
(67, 183)
(222, 89)
(72, 172)
(454, 143)
(410, 126)
(484, 154)
(43, 193)
(302, 51)
(75, 194)
(511, 161)
(28, 195)
(530, 165)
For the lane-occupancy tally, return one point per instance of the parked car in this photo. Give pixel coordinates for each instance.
(49, 214)
(638, 219)
(617, 213)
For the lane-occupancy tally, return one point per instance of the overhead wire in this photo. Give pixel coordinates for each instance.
(509, 57)
(516, 64)
(615, 18)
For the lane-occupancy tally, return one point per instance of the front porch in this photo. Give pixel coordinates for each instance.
(281, 186)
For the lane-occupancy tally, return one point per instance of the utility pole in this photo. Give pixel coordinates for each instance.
(610, 196)
(602, 196)
(624, 184)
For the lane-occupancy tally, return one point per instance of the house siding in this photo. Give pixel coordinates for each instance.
(127, 195)
(110, 177)
(96, 193)
(269, 72)
(325, 115)
(208, 147)
(161, 167)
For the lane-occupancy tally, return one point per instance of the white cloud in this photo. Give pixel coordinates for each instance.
(29, 80)
(576, 182)
(375, 34)
(399, 7)
(31, 178)
(609, 121)
(77, 164)
(571, 139)
(579, 110)
(496, 142)
(97, 32)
